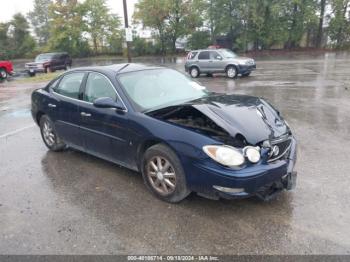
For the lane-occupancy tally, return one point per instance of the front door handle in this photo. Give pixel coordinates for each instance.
(51, 105)
(85, 114)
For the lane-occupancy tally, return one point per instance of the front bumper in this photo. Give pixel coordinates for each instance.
(244, 69)
(263, 179)
(35, 70)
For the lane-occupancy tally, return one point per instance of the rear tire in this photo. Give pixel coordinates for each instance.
(49, 135)
(3, 74)
(231, 72)
(194, 72)
(163, 174)
(31, 74)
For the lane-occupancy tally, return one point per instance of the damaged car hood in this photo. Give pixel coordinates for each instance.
(251, 117)
(245, 117)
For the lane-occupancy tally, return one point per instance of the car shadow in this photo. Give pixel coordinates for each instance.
(117, 197)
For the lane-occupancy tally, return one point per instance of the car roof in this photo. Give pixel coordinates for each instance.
(55, 53)
(119, 68)
(208, 49)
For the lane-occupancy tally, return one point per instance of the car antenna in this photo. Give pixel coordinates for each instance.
(123, 67)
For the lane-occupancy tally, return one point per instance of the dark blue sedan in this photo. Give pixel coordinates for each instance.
(181, 137)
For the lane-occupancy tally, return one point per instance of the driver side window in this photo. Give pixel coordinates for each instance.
(215, 55)
(98, 86)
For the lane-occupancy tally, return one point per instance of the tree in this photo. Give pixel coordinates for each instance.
(171, 19)
(153, 14)
(66, 28)
(114, 38)
(319, 39)
(22, 43)
(39, 19)
(4, 41)
(183, 18)
(199, 39)
(301, 16)
(339, 26)
(101, 26)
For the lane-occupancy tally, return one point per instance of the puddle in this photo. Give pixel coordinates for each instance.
(18, 113)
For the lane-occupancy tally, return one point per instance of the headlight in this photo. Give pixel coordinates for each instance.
(252, 153)
(225, 155)
(250, 62)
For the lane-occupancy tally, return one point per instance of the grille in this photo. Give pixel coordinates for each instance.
(283, 145)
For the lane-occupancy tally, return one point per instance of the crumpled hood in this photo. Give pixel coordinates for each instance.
(252, 117)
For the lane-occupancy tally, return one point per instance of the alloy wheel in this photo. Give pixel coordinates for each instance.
(48, 134)
(194, 72)
(231, 72)
(161, 175)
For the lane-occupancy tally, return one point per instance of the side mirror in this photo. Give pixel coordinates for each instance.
(107, 102)
(219, 58)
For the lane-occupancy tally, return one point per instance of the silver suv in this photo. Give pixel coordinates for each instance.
(218, 61)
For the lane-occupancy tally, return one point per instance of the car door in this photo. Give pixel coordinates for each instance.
(216, 64)
(204, 61)
(66, 106)
(104, 130)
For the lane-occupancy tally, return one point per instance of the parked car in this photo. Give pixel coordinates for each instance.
(6, 69)
(167, 126)
(211, 61)
(49, 62)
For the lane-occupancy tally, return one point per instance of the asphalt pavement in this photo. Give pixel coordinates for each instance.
(73, 203)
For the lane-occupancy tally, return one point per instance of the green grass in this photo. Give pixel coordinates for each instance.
(39, 78)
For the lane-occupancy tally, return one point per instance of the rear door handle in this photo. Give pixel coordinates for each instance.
(85, 114)
(51, 105)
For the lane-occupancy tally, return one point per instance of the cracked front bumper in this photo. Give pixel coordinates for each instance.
(264, 180)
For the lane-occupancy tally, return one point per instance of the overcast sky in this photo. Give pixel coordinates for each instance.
(10, 7)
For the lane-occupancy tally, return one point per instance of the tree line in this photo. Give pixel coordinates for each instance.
(80, 28)
(89, 28)
(248, 24)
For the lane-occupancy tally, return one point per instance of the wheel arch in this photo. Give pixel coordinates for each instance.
(231, 64)
(145, 145)
(196, 66)
(5, 69)
(38, 116)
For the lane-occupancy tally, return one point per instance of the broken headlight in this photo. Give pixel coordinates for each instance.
(252, 153)
(225, 155)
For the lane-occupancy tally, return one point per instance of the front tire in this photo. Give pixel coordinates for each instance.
(3, 74)
(194, 72)
(231, 72)
(49, 135)
(163, 174)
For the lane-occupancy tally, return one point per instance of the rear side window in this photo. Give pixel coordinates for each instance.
(98, 86)
(70, 84)
(204, 55)
(191, 55)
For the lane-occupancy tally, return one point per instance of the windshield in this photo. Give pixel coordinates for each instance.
(43, 57)
(158, 88)
(228, 53)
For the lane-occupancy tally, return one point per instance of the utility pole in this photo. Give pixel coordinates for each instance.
(127, 30)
